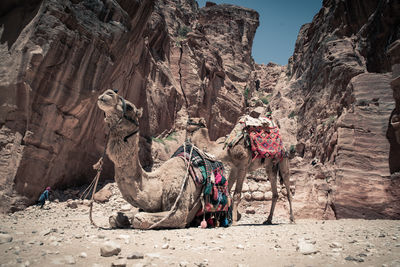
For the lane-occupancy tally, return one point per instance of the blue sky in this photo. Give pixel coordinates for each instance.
(280, 22)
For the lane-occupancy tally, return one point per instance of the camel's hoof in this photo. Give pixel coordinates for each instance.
(267, 222)
(234, 223)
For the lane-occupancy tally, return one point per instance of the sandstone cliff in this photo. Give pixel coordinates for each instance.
(337, 89)
(57, 56)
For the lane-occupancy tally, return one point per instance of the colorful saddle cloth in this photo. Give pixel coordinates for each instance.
(209, 173)
(264, 137)
(266, 143)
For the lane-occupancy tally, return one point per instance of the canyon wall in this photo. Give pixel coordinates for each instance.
(58, 56)
(339, 82)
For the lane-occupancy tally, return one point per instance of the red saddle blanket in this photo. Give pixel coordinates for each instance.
(266, 143)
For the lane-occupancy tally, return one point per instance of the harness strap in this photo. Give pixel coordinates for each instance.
(131, 134)
(129, 119)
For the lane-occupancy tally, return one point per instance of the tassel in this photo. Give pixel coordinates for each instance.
(203, 224)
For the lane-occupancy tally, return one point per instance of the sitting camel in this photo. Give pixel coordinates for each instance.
(152, 192)
(239, 157)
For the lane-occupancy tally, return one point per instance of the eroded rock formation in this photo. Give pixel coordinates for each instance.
(339, 79)
(61, 54)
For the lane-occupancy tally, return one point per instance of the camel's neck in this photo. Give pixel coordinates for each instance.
(201, 139)
(129, 174)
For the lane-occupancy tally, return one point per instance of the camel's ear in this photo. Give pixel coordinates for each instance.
(139, 112)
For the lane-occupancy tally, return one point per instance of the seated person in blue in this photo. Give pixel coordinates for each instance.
(43, 197)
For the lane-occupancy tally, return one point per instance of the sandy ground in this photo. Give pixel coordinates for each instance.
(59, 235)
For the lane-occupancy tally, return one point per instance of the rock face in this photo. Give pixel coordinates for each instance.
(393, 131)
(361, 153)
(161, 55)
(342, 105)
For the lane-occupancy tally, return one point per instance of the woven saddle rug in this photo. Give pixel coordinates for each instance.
(264, 137)
(209, 173)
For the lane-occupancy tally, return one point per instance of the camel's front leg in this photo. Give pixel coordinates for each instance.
(284, 170)
(144, 220)
(240, 175)
(271, 172)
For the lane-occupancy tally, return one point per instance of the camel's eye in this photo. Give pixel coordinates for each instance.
(110, 93)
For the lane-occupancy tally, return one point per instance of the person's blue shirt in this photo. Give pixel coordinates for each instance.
(44, 196)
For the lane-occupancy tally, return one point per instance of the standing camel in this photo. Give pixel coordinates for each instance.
(239, 158)
(152, 192)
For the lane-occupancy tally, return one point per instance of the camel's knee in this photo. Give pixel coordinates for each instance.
(119, 220)
(237, 197)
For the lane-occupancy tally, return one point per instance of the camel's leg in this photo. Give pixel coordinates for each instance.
(271, 172)
(285, 173)
(143, 220)
(232, 178)
(240, 175)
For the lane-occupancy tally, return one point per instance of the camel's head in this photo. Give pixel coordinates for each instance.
(195, 124)
(119, 112)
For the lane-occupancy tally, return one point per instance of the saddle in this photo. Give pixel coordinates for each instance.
(209, 174)
(261, 136)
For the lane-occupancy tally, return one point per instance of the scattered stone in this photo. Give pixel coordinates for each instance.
(257, 195)
(119, 263)
(125, 238)
(351, 258)
(306, 247)
(250, 210)
(45, 232)
(240, 246)
(153, 255)
(103, 195)
(69, 259)
(335, 245)
(183, 264)
(165, 246)
(253, 186)
(126, 207)
(5, 238)
(83, 255)
(135, 255)
(268, 195)
(247, 196)
(66, 260)
(110, 249)
(72, 204)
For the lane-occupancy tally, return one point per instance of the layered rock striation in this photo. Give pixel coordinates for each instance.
(338, 77)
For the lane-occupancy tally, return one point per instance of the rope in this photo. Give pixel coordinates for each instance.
(174, 207)
(94, 183)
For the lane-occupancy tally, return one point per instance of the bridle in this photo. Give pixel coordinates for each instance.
(129, 119)
(198, 124)
(125, 116)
